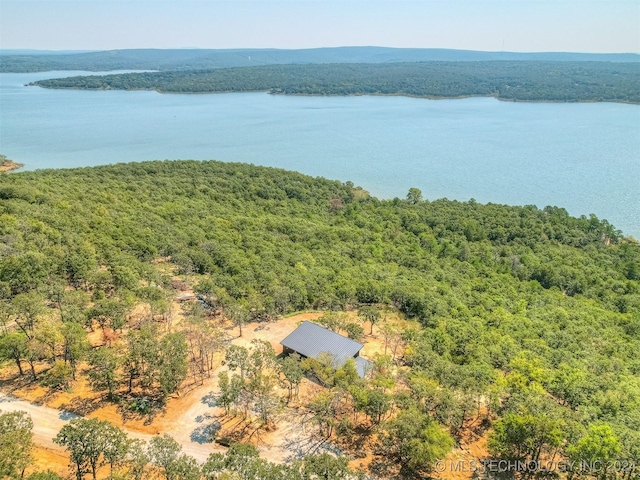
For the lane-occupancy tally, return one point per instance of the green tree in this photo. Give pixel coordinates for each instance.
(13, 346)
(164, 452)
(569, 384)
(137, 459)
(600, 445)
(378, 404)
(370, 314)
(48, 333)
(27, 307)
(214, 467)
(167, 454)
(354, 331)
(184, 468)
(172, 362)
(58, 376)
(414, 196)
(237, 358)
(323, 408)
(262, 357)
(108, 313)
(116, 445)
(204, 340)
(240, 456)
(347, 375)
(238, 314)
(326, 466)
(265, 402)
(46, 475)
(323, 368)
(230, 390)
(91, 443)
(5, 314)
(415, 441)
(334, 321)
(16, 439)
(142, 356)
(525, 436)
(292, 374)
(75, 345)
(35, 352)
(103, 370)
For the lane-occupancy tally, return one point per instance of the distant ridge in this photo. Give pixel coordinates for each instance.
(189, 59)
(31, 51)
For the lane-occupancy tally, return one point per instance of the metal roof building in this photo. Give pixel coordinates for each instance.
(310, 340)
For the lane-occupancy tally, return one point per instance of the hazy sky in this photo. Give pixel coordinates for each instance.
(512, 25)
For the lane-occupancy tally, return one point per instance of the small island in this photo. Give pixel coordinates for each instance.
(7, 165)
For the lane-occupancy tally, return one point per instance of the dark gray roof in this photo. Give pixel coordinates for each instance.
(310, 340)
(363, 366)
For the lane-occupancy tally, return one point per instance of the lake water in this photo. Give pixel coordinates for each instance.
(583, 157)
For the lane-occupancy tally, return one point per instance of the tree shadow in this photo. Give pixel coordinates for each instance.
(315, 380)
(302, 446)
(209, 399)
(302, 441)
(145, 408)
(82, 406)
(206, 433)
(358, 442)
(473, 430)
(16, 382)
(384, 467)
(65, 415)
(243, 429)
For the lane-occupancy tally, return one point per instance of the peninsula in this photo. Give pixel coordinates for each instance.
(529, 81)
(7, 165)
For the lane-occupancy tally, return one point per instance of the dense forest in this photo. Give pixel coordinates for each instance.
(189, 59)
(516, 80)
(529, 312)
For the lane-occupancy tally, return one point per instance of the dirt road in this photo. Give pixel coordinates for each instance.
(195, 418)
(47, 422)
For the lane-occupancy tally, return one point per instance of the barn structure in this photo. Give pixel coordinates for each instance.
(310, 340)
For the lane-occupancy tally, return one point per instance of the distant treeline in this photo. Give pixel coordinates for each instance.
(189, 59)
(506, 80)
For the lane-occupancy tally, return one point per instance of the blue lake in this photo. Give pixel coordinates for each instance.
(583, 157)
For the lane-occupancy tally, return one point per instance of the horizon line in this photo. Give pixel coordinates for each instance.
(81, 50)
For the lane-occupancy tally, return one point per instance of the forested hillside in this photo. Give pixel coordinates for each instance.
(530, 312)
(515, 80)
(188, 59)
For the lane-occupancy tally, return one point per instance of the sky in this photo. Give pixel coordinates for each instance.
(490, 25)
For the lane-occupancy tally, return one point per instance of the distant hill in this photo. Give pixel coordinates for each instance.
(189, 59)
(30, 51)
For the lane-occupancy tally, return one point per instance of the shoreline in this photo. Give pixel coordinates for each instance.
(271, 92)
(9, 166)
(633, 238)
